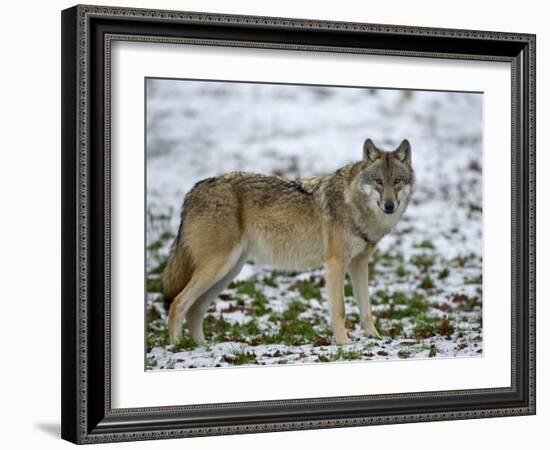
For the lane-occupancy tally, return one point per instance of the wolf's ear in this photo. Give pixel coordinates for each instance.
(403, 152)
(370, 152)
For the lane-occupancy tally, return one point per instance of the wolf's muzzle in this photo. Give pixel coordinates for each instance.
(389, 207)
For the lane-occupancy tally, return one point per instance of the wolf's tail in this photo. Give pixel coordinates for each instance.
(177, 273)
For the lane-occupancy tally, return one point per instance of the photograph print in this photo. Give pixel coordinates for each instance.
(311, 224)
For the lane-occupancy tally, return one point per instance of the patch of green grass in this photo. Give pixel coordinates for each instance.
(444, 274)
(425, 244)
(401, 271)
(216, 329)
(166, 236)
(307, 290)
(474, 302)
(220, 330)
(388, 259)
(414, 305)
(244, 358)
(424, 262)
(293, 330)
(353, 318)
(381, 296)
(426, 327)
(297, 332)
(345, 355)
(260, 304)
(157, 334)
(372, 344)
(396, 314)
(474, 280)
(372, 270)
(404, 354)
(154, 285)
(275, 316)
(159, 217)
(294, 309)
(427, 282)
(156, 338)
(155, 246)
(348, 290)
(244, 330)
(270, 281)
(247, 288)
(416, 301)
(186, 342)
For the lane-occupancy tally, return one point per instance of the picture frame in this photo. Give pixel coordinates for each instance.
(87, 35)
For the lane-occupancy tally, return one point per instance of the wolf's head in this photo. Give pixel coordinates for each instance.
(387, 180)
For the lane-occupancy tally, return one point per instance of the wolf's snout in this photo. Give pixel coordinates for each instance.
(389, 207)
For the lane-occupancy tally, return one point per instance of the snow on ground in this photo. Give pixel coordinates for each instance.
(427, 275)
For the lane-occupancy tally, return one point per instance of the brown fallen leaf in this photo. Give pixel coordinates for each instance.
(445, 327)
(321, 340)
(459, 298)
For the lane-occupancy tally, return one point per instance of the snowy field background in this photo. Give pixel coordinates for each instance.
(426, 286)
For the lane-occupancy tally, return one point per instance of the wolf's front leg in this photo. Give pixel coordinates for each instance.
(359, 272)
(335, 271)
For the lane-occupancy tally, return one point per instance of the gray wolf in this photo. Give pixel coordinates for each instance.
(334, 221)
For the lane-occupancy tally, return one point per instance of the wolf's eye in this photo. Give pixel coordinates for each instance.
(378, 181)
(397, 181)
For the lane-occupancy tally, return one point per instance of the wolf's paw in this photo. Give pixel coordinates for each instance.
(371, 331)
(343, 340)
(199, 340)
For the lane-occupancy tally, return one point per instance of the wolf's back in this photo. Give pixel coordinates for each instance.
(217, 210)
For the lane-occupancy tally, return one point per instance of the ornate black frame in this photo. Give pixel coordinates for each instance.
(87, 31)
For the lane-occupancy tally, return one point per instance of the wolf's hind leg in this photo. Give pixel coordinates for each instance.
(195, 314)
(205, 275)
(358, 270)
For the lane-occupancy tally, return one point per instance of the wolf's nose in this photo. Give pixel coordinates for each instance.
(389, 206)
